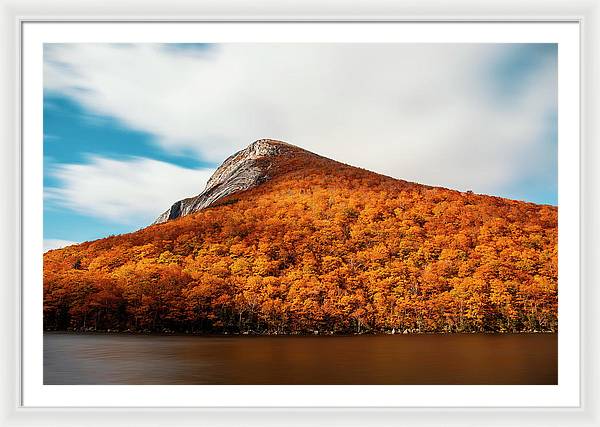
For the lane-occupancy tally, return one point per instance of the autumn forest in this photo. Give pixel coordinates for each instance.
(321, 247)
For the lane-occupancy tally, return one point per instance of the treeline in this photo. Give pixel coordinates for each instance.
(324, 248)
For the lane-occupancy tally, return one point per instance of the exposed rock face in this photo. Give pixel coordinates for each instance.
(243, 170)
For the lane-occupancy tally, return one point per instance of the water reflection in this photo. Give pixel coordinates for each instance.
(383, 359)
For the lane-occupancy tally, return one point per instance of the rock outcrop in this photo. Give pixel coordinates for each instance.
(243, 170)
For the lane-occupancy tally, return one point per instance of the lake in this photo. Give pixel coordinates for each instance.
(362, 359)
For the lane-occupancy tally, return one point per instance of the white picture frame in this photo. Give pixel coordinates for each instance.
(15, 13)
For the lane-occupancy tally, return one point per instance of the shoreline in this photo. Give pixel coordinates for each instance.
(228, 335)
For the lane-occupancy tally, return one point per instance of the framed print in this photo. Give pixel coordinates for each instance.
(301, 218)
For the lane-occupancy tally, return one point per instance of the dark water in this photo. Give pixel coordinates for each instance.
(383, 359)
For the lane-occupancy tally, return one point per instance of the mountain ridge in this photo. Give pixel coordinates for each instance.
(250, 167)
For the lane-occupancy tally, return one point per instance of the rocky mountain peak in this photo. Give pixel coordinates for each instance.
(241, 171)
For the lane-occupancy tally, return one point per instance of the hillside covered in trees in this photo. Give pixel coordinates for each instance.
(318, 246)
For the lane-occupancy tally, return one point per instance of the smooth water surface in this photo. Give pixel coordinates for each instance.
(363, 359)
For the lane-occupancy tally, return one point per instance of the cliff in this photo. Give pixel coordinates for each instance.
(243, 170)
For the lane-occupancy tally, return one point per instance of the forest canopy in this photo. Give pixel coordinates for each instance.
(323, 247)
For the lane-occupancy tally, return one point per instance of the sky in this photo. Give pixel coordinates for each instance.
(131, 128)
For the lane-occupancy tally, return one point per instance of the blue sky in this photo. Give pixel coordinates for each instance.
(129, 129)
(72, 136)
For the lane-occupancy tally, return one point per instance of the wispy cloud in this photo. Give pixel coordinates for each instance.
(50, 244)
(123, 191)
(428, 113)
(48, 137)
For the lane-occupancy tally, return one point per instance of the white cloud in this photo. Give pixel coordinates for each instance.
(50, 244)
(426, 113)
(124, 191)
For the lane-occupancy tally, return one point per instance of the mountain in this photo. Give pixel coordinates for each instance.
(286, 241)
